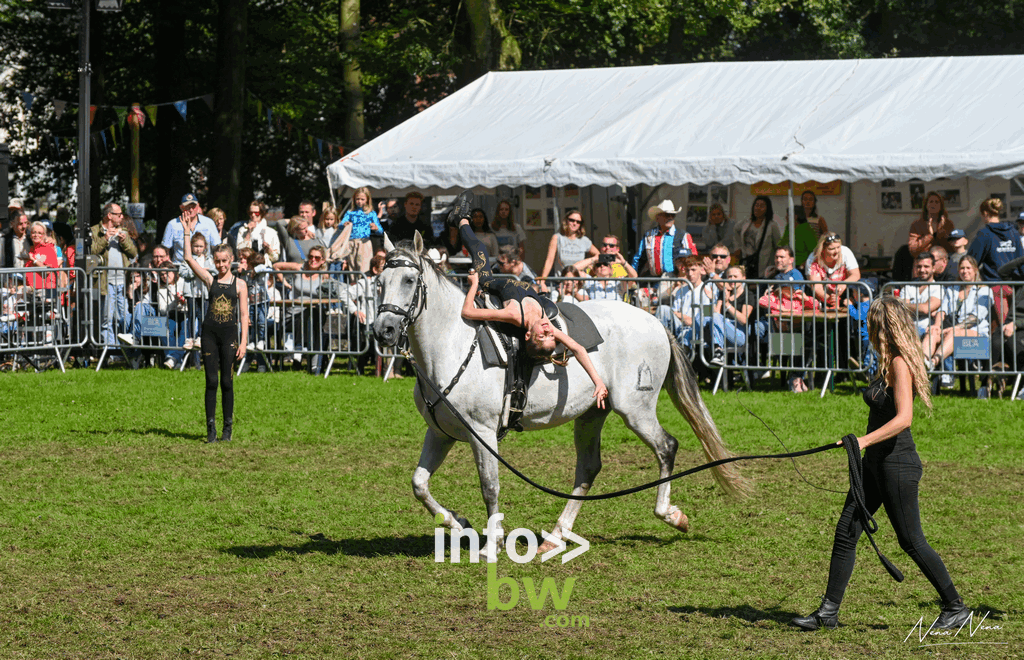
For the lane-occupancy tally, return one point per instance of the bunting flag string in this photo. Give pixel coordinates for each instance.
(273, 117)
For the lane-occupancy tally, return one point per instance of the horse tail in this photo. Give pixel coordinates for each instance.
(682, 387)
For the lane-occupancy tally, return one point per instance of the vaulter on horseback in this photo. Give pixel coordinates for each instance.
(522, 306)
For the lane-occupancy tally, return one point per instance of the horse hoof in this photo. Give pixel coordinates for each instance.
(546, 546)
(679, 520)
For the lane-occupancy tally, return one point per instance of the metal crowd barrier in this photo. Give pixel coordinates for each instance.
(326, 314)
(778, 334)
(313, 314)
(968, 338)
(41, 309)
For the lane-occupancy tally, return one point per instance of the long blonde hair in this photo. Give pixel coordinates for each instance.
(892, 332)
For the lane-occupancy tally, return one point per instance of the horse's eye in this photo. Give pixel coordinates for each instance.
(409, 279)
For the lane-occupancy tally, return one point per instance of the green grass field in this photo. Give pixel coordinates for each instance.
(123, 536)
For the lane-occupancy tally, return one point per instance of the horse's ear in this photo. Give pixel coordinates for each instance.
(388, 245)
(417, 242)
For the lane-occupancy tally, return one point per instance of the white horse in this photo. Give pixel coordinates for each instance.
(634, 361)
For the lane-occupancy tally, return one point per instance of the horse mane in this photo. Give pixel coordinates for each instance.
(407, 251)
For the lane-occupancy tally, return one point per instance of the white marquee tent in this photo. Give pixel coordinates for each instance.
(738, 122)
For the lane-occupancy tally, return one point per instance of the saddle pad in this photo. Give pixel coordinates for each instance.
(577, 324)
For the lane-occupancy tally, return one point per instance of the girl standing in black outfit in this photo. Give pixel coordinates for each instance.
(220, 333)
(892, 468)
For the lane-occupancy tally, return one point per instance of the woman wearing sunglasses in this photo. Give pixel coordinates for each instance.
(833, 262)
(305, 286)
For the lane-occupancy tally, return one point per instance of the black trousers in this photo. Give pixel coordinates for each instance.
(506, 288)
(891, 481)
(220, 345)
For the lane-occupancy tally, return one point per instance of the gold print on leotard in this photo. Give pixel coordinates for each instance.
(222, 310)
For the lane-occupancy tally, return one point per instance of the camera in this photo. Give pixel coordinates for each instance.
(605, 259)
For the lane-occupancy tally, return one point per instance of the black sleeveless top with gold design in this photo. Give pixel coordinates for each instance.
(223, 311)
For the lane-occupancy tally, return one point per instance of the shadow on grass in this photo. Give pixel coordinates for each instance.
(409, 546)
(743, 612)
(165, 433)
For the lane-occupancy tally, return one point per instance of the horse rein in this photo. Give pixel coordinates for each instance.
(419, 298)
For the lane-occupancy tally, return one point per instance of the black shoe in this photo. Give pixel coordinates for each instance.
(953, 616)
(226, 435)
(826, 616)
(211, 430)
(461, 208)
(717, 357)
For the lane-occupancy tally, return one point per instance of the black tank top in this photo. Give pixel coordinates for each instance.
(882, 409)
(223, 311)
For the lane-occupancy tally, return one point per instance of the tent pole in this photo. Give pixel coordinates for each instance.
(792, 220)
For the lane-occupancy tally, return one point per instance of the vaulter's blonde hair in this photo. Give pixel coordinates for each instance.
(892, 332)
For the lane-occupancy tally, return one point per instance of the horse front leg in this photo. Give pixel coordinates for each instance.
(587, 438)
(435, 450)
(487, 469)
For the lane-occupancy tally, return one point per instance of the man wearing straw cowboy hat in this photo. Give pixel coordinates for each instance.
(662, 245)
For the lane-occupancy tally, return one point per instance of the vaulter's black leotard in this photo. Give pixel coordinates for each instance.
(220, 345)
(892, 471)
(506, 288)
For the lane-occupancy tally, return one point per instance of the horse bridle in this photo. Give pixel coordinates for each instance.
(419, 298)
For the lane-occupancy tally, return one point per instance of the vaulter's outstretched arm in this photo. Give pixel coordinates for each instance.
(600, 391)
(471, 313)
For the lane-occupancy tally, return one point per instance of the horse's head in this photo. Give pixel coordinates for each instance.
(402, 292)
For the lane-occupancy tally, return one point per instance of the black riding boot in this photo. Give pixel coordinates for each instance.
(953, 616)
(226, 435)
(211, 430)
(826, 616)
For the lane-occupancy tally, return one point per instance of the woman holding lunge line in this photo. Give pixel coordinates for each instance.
(220, 333)
(891, 468)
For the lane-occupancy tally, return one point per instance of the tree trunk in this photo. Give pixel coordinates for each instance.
(492, 46)
(226, 167)
(351, 75)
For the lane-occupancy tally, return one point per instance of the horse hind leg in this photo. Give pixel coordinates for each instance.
(435, 450)
(587, 438)
(645, 424)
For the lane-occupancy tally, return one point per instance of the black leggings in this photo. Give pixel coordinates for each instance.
(892, 481)
(220, 345)
(506, 288)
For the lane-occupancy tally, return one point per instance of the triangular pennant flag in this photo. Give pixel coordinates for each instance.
(113, 134)
(320, 147)
(182, 108)
(151, 111)
(138, 115)
(56, 144)
(92, 114)
(103, 134)
(270, 115)
(259, 107)
(122, 112)
(208, 99)
(278, 118)
(58, 108)
(27, 97)
(289, 125)
(310, 138)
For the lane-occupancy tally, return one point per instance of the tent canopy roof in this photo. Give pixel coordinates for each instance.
(745, 122)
